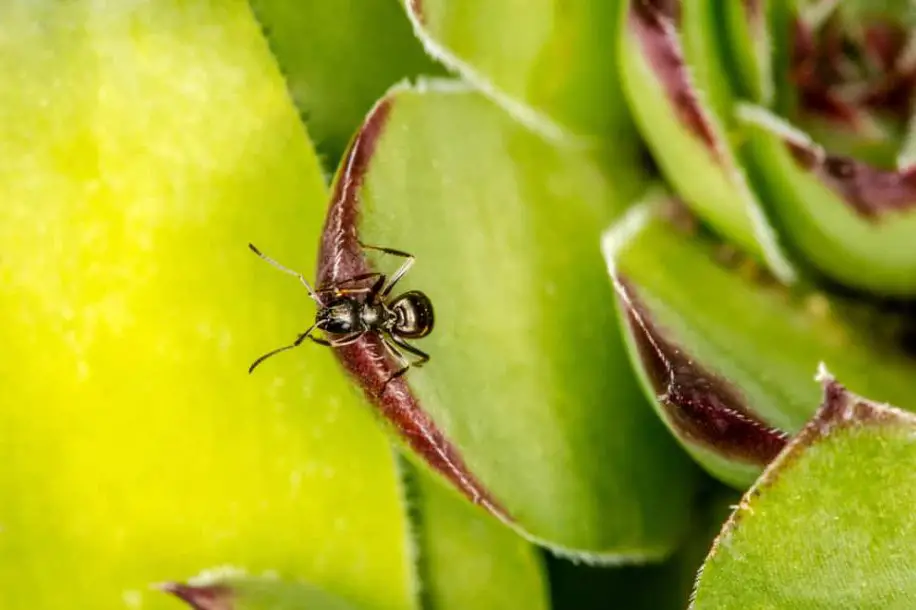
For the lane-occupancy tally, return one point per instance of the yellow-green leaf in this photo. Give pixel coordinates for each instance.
(144, 145)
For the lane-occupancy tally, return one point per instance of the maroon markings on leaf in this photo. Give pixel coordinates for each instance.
(839, 409)
(869, 191)
(340, 257)
(206, 597)
(654, 23)
(415, 7)
(848, 73)
(704, 408)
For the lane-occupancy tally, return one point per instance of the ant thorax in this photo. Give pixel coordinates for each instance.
(377, 316)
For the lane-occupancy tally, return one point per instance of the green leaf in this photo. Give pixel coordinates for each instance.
(528, 404)
(465, 558)
(143, 148)
(338, 58)
(680, 98)
(725, 354)
(853, 222)
(228, 589)
(749, 47)
(551, 65)
(830, 524)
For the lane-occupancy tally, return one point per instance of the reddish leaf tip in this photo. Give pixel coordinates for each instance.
(415, 7)
(202, 597)
(654, 23)
(700, 405)
(841, 408)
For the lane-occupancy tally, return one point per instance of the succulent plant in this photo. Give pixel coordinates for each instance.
(667, 243)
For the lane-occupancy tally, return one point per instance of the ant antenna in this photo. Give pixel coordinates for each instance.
(295, 343)
(302, 279)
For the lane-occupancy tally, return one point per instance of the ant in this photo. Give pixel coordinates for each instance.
(345, 317)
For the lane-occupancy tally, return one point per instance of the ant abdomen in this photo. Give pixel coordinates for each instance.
(415, 316)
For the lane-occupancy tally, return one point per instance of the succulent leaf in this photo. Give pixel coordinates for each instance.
(748, 39)
(852, 221)
(143, 148)
(229, 589)
(679, 92)
(504, 228)
(830, 523)
(550, 65)
(725, 352)
(465, 557)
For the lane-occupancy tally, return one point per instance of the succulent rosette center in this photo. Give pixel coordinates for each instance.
(855, 75)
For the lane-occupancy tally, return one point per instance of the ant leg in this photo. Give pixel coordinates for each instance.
(422, 357)
(336, 288)
(345, 291)
(306, 335)
(340, 341)
(347, 340)
(405, 364)
(302, 279)
(404, 268)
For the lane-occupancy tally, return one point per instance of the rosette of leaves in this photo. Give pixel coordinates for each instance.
(605, 330)
(783, 127)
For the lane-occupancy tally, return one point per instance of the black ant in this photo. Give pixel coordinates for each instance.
(344, 318)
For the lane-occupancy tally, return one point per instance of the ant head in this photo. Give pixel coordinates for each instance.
(338, 317)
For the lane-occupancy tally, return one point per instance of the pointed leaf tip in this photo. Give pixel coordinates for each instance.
(703, 407)
(201, 597)
(654, 25)
(727, 355)
(415, 10)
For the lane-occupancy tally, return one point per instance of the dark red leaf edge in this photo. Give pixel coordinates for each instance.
(367, 361)
(840, 409)
(703, 408)
(654, 23)
(873, 193)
